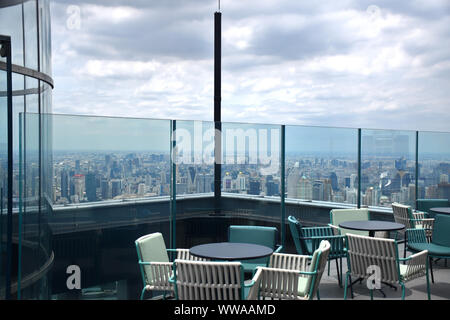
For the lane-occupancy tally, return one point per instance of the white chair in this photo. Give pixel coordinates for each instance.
(208, 280)
(291, 276)
(340, 215)
(365, 254)
(412, 220)
(154, 263)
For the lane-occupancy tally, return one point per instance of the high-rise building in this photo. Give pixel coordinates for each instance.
(116, 187)
(91, 187)
(65, 184)
(254, 186)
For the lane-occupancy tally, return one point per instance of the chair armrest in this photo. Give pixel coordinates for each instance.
(336, 229)
(279, 249)
(253, 293)
(417, 265)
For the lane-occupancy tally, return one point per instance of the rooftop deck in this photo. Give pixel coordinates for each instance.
(415, 289)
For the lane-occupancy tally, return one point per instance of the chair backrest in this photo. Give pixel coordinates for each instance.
(151, 248)
(403, 214)
(364, 252)
(318, 263)
(297, 235)
(338, 216)
(206, 280)
(266, 236)
(281, 279)
(441, 232)
(426, 204)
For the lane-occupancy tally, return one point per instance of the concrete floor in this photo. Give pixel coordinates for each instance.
(415, 289)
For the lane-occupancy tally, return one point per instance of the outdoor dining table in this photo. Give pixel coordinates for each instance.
(372, 226)
(441, 210)
(230, 251)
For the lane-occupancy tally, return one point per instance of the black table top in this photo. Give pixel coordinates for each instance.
(372, 225)
(230, 251)
(442, 210)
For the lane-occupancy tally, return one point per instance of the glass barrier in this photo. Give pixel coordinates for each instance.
(387, 167)
(434, 165)
(322, 164)
(250, 176)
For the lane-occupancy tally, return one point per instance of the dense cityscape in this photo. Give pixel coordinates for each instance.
(88, 177)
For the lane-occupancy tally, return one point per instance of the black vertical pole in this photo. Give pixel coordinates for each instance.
(359, 168)
(417, 168)
(283, 185)
(217, 109)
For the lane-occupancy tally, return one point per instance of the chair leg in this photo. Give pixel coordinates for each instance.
(142, 294)
(403, 291)
(428, 286)
(318, 294)
(346, 286)
(431, 269)
(338, 273)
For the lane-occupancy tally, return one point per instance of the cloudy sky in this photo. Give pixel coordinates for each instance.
(373, 64)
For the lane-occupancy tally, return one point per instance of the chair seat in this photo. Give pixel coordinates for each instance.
(433, 249)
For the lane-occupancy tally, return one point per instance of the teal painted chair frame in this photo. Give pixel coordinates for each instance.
(307, 240)
(157, 278)
(439, 247)
(255, 235)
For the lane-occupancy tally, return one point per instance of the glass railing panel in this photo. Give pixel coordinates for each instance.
(434, 165)
(321, 170)
(387, 167)
(250, 175)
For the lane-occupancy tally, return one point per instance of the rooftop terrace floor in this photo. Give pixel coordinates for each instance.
(415, 289)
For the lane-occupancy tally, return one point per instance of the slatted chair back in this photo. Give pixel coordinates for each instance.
(364, 252)
(403, 214)
(338, 216)
(291, 276)
(262, 235)
(297, 236)
(206, 280)
(152, 249)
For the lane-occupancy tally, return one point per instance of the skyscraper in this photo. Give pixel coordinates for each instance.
(91, 187)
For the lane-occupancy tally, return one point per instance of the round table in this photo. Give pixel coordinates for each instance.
(441, 210)
(230, 251)
(372, 226)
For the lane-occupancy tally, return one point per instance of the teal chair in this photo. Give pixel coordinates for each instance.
(266, 236)
(154, 263)
(308, 239)
(425, 205)
(439, 247)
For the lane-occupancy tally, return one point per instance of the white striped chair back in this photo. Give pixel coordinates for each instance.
(402, 214)
(206, 280)
(365, 252)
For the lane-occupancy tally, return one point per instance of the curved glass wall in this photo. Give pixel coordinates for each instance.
(27, 23)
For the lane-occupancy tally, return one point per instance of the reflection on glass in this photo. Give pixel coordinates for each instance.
(388, 167)
(434, 165)
(321, 164)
